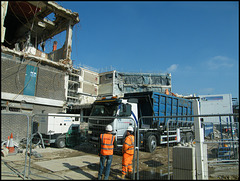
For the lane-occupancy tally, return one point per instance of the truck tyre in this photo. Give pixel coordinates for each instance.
(61, 142)
(151, 143)
(189, 137)
(183, 138)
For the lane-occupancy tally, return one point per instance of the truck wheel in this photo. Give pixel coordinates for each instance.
(189, 137)
(151, 143)
(183, 138)
(61, 142)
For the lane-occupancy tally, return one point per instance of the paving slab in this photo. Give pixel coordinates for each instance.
(68, 163)
(14, 157)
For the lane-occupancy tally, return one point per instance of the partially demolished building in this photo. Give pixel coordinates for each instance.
(118, 83)
(35, 82)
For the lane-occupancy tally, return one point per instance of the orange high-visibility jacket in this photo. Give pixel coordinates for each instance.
(128, 145)
(107, 144)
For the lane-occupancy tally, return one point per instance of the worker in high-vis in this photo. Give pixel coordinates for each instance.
(107, 143)
(128, 152)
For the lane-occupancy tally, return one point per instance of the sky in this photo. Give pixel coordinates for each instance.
(196, 41)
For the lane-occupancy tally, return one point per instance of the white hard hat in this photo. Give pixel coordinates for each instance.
(130, 128)
(109, 128)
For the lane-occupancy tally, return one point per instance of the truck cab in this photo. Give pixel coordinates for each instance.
(115, 111)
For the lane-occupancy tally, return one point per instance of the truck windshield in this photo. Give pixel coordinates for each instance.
(104, 110)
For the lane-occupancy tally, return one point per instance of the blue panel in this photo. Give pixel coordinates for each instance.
(163, 105)
(30, 80)
(173, 106)
(212, 98)
(208, 129)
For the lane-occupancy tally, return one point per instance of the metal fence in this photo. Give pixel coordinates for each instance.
(18, 125)
(192, 160)
(218, 147)
(76, 134)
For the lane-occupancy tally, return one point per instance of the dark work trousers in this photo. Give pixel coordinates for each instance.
(108, 166)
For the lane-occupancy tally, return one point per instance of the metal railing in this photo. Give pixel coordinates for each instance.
(167, 129)
(30, 134)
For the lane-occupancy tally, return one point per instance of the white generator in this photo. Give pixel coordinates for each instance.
(53, 127)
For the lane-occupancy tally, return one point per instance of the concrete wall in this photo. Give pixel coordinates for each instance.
(48, 91)
(89, 82)
(49, 82)
(184, 163)
(13, 71)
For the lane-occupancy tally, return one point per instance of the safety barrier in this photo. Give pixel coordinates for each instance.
(196, 166)
(156, 165)
(73, 137)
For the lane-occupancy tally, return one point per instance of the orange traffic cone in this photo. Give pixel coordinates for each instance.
(7, 144)
(11, 146)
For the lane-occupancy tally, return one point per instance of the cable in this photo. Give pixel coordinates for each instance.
(22, 12)
(16, 16)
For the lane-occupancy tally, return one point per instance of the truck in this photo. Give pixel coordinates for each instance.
(127, 110)
(59, 129)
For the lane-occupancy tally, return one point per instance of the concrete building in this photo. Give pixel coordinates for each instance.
(36, 82)
(117, 83)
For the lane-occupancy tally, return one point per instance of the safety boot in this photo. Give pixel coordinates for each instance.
(121, 177)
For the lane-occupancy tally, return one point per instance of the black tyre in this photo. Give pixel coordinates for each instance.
(60, 142)
(189, 137)
(151, 144)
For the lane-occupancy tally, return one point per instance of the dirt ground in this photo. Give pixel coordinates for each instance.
(152, 166)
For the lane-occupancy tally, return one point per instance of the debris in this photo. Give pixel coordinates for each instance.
(35, 154)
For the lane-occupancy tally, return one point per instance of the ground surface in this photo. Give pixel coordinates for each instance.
(152, 166)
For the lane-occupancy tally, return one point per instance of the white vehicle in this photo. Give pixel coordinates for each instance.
(111, 106)
(54, 128)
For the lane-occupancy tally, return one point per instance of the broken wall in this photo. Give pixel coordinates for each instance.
(57, 54)
(106, 83)
(89, 82)
(82, 87)
(118, 83)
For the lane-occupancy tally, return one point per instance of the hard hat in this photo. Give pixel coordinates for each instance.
(109, 128)
(130, 128)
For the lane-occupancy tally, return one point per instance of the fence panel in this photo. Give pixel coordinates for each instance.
(18, 125)
(78, 132)
(165, 162)
(183, 156)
